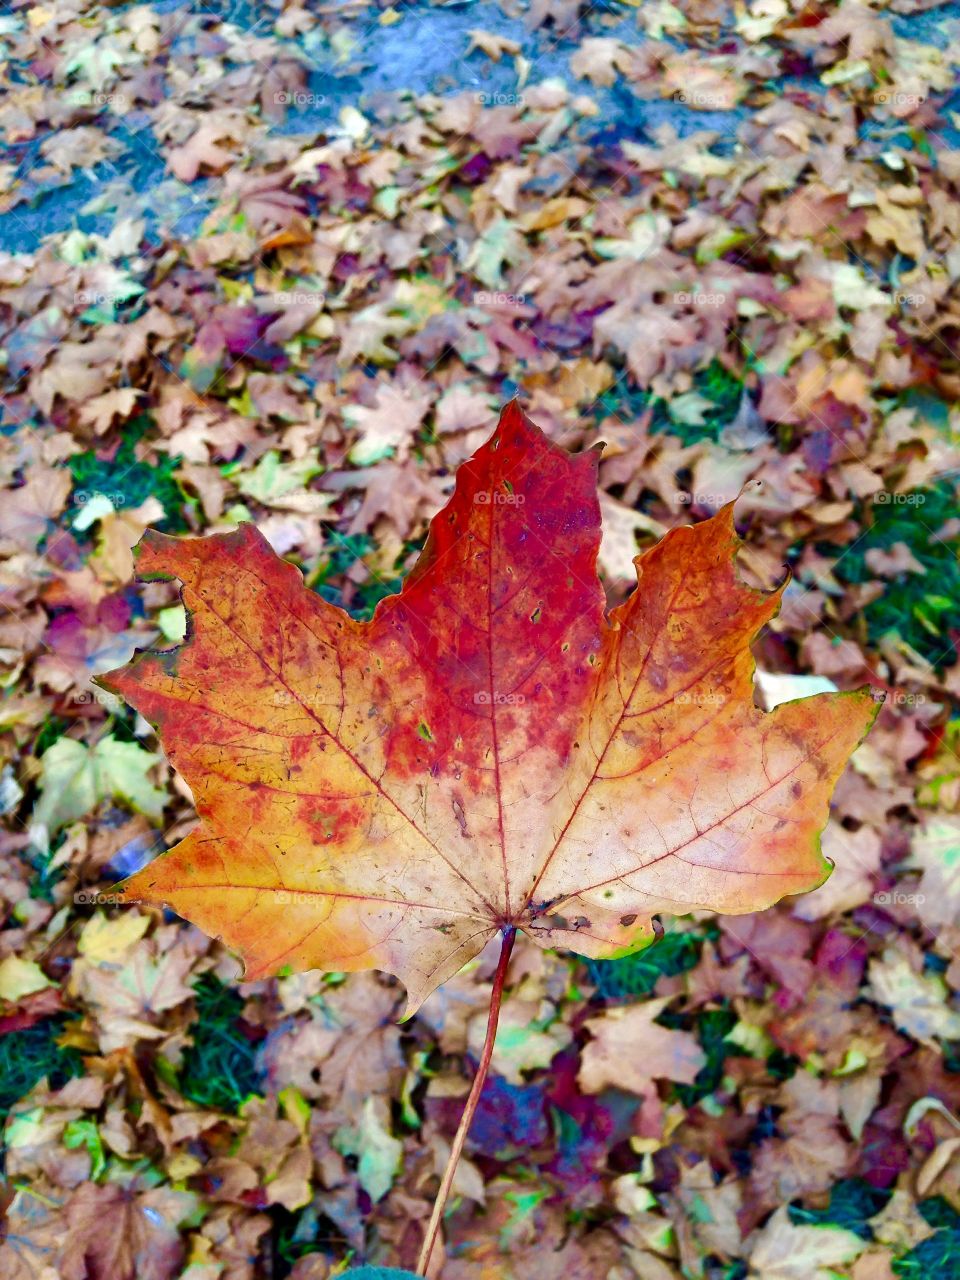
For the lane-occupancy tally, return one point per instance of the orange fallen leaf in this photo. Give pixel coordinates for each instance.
(491, 751)
(296, 232)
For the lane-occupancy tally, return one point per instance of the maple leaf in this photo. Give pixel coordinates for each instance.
(100, 412)
(202, 148)
(629, 1048)
(114, 1231)
(783, 1251)
(501, 243)
(389, 425)
(491, 751)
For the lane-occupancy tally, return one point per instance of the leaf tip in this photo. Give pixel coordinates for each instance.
(130, 891)
(872, 700)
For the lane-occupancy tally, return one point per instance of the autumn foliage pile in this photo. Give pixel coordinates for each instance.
(718, 259)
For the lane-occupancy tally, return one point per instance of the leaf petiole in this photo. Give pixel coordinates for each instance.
(496, 998)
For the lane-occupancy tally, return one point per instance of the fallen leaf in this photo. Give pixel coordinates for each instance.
(783, 1251)
(917, 1001)
(378, 1151)
(129, 994)
(110, 938)
(101, 411)
(935, 849)
(490, 749)
(499, 245)
(117, 533)
(126, 1235)
(20, 978)
(899, 1223)
(618, 545)
(494, 46)
(526, 1038)
(74, 778)
(275, 483)
(202, 150)
(890, 564)
(628, 1049)
(388, 426)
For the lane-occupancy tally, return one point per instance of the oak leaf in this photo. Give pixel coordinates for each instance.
(492, 749)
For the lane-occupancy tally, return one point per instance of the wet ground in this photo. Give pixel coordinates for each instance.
(425, 50)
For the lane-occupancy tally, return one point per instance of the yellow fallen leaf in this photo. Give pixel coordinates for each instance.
(553, 213)
(20, 978)
(896, 225)
(108, 939)
(39, 17)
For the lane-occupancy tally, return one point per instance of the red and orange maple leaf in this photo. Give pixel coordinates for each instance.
(491, 749)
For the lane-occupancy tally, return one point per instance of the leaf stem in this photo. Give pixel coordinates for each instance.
(496, 997)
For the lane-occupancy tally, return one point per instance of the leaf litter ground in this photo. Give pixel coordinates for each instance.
(312, 322)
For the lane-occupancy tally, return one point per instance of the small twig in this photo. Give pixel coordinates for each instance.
(496, 996)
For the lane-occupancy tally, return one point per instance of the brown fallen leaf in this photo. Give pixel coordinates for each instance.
(628, 1049)
(101, 412)
(116, 1232)
(202, 150)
